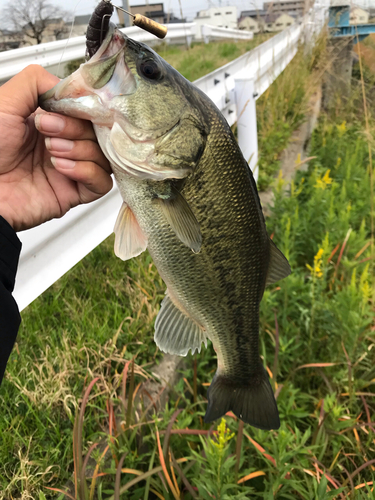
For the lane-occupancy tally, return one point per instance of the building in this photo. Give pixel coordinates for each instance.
(294, 8)
(358, 15)
(276, 22)
(10, 40)
(282, 22)
(56, 29)
(154, 11)
(80, 25)
(221, 17)
(250, 24)
(252, 20)
(254, 14)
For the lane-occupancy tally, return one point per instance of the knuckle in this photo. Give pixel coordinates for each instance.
(87, 149)
(31, 68)
(84, 128)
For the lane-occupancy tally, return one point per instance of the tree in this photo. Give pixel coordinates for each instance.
(35, 17)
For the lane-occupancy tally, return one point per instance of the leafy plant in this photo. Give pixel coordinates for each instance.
(90, 334)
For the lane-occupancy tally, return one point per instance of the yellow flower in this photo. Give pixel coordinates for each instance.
(365, 286)
(280, 182)
(324, 181)
(298, 160)
(341, 128)
(316, 271)
(224, 436)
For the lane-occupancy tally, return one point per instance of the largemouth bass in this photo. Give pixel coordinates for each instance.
(191, 200)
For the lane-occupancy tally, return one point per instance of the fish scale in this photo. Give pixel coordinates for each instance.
(190, 198)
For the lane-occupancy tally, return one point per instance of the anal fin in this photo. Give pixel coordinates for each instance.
(176, 332)
(279, 267)
(129, 238)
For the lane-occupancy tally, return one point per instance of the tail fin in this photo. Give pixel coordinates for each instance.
(253, 402)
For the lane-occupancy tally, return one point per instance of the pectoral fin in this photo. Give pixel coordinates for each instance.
(176, 332)
(181, 219)
(129, 238)
(279, 266)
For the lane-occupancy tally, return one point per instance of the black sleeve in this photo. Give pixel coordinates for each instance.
(10, 248)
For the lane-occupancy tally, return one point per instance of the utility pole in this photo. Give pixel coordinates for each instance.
(125, 6)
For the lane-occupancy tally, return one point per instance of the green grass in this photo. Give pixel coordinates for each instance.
(317, 341)
(202, 58)
(317, 334)
(283, 107)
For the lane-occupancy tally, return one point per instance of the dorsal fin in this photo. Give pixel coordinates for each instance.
(129, 240)
(175, 331)
(279, 267)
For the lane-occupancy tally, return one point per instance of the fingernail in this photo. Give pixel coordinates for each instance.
(62, 163)
(60, 145)
(49, 123)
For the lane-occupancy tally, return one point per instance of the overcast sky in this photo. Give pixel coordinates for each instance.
(189, 7)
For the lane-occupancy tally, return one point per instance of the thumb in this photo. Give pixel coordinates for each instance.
(19, 96)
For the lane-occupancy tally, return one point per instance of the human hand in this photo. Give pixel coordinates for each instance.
(49, 166)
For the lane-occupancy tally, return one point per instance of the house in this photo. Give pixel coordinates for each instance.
(250, 24)
(10, 39)
(221, 17)
(278, 22)
(254, 14)
(171, 18)
(283, 21)
(56, 29)
(358, 15)
(79, 25)
(265, 21)
(154, 11)
(252, 20)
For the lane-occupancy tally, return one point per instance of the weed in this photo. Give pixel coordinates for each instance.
(283, 107)
(317, 342)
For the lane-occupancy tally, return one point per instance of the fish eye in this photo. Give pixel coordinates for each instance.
(150, 69)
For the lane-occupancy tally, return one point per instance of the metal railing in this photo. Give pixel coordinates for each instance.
(62, 51)
(53, 53)
(215, 33)
(50, 250)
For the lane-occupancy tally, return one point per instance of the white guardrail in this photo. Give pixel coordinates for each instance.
(50, 250)
(62, 51)
(215, 33)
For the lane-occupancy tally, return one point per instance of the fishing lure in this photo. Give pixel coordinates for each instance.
(98, 26)
(99, 23)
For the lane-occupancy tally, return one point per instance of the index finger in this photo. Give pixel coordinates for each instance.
(19, 96)
(66, 127)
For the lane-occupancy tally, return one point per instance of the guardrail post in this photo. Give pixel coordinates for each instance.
(247, 121)
(205, 33)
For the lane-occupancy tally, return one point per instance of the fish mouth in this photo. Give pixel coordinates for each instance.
(87, 93)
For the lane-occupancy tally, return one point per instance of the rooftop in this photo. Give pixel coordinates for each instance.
(253, 13)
